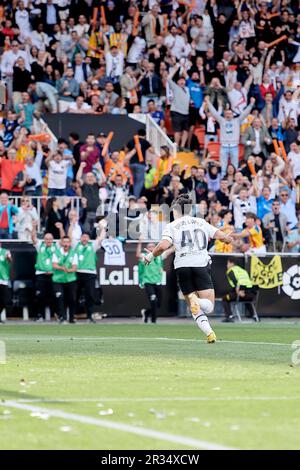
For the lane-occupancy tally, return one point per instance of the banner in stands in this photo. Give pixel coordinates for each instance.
(124, 127)
(123, 297)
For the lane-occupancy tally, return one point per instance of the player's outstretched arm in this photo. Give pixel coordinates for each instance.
(162, 246)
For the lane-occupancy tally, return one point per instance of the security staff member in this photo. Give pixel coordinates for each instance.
(242, 288)
(64, 263)
(87, 269)
(5, 260)
(150, 278)
(43, 273)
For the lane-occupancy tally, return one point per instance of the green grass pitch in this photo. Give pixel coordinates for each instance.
(136, 386)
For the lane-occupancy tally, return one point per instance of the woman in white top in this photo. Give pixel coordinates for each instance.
(275, 180)
(27, 219)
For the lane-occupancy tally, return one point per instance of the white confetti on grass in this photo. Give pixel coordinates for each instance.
(65, 428)
(193, 420)
(108, 412)
(158, 414)
(40, 415)
(234, 427)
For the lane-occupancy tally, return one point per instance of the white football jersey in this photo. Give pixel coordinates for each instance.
(190, 237)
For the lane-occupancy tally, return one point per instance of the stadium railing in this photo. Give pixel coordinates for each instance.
(157, 137)
(39, 202)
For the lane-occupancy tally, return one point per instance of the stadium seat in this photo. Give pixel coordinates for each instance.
(168, 122)
(200, 134)
(240, 302)
(186, 158)
(213, 148)
(241, 152)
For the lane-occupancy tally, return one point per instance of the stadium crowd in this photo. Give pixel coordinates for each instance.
(222, 78)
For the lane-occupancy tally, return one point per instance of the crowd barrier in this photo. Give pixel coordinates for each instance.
(277, 275)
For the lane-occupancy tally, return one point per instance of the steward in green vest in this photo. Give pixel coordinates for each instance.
(65, 262)
(5, 262)
(150, 279)
(238, 276)
(242, 289)
(86, 251)
(45, 248)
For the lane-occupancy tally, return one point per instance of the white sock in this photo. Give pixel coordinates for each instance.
(203, 323)
(206, 305)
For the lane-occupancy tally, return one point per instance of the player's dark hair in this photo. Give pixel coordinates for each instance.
(182, 204)
(250, 215)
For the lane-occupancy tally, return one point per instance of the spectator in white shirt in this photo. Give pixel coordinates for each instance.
(57, 173)
(8, 61)
(82, 27)
(242, 203)
(22, 20)
(79, 106)
(288, 206)
(238, 94)
(289, 106)
(200, 35)
(294, 159)
(39, 38)
(135, 53)
(27, 219)
(175, 42)
(114, 63)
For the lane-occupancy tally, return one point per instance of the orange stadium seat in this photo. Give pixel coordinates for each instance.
(200, 134)
(213, 148)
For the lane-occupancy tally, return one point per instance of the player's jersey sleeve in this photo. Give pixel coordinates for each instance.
(209, 229)
(168, 234)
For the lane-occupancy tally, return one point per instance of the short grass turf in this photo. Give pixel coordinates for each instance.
(242, 392)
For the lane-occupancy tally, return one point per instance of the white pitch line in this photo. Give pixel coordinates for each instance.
(131, 338)
(151, 433)
(153, 399)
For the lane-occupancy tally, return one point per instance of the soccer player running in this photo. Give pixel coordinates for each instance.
(65, 262)
(5, 261)
(86, 251)
(43, 273)
(189, 235)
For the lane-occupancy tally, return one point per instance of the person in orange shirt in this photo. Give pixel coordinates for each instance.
(12, 173)
(115, 166)
(225, 225)
(254, 234)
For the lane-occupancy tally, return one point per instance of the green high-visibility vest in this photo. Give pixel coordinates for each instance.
(4, 265)
(151, 273)
(87, 258)
(64, 259)
(241, 276)
(44, 258)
